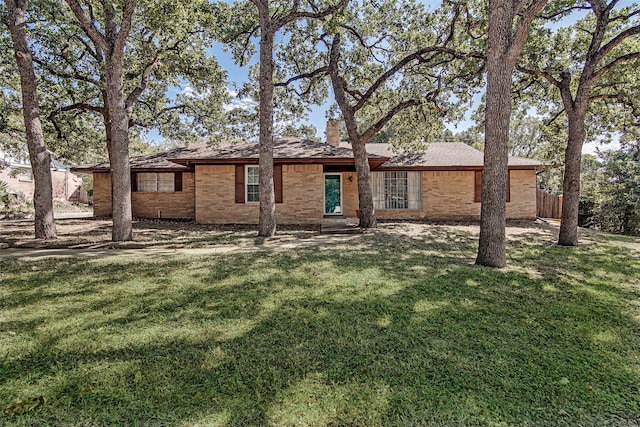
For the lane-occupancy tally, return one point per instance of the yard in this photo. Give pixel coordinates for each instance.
(394, 327)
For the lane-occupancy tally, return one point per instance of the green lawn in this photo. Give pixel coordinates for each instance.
(388, 330)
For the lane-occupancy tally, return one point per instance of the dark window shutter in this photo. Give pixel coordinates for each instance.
(177, 181)
(477, 194)
(239, 183)
(134, 182)
(477, 197)
(277, 182)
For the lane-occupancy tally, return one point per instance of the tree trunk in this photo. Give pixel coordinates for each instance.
(571, 183)
(365, 192)
(491, 245)
(119, 161)
(45, 227)
(267, 219)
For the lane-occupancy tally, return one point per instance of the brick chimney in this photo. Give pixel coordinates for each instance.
(333, 132)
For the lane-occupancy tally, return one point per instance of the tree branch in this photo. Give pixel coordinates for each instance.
(74, 76)
(561, 12)
(522, 29)
(314, 73)
(125, 26)
(406, 60)
(615, 42)
(294, 15)
(376, 127)
(539, 73)
(88, 25)
(77, 106)
(613, 64)
(144, 81)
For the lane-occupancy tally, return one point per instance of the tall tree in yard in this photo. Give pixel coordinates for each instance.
(110, 37)
(509, 23)
(165, 48)
(272, 17)
(383, 74)
(39, 156)
(591, 71)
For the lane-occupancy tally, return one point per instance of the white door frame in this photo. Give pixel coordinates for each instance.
(324, 194)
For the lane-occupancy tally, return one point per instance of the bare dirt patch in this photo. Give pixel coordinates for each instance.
(91, 233)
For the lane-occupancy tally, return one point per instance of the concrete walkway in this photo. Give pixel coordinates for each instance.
(38, 254)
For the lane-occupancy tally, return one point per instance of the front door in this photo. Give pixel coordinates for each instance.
(332, 194)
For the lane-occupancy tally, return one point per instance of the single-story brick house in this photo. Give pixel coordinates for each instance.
(313, 180)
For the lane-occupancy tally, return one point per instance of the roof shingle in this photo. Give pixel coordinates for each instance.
(439, 155)
(283, 148)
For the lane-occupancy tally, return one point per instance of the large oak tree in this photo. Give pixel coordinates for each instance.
(583, 70)
(38, 155)
(164, 52)
(509, 22)
(267, 19)
(109, 32)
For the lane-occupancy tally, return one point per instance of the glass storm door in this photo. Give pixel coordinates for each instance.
(332, 194)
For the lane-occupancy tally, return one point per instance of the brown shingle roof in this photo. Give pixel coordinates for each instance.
(439, 155)
(149, 162)
(283, 148)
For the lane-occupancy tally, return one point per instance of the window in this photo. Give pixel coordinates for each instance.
(397, 190)
(247, 183)
(156, 182)
(253, 187)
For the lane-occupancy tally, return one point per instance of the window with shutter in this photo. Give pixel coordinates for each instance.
(155, 182)
(247, 182)
(253, 184)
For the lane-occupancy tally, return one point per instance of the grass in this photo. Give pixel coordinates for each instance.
(388, 330)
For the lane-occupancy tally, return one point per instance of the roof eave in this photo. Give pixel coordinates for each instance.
(133, 169)
(252, 160)
(450, 168)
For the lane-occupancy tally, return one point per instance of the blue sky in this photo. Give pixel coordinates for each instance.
(317, 116)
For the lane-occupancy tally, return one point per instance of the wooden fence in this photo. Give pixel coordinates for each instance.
(548, 205)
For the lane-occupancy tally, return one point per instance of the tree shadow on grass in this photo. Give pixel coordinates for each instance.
(397, 332)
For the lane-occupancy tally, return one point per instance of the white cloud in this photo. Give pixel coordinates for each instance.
(592, 147)
(244, 104)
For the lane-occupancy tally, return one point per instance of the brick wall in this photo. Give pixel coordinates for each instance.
(101, 194)
(179, 204)
(449, 194)
(349, 194)
(523, 195)
(446, 195)
(302, 193)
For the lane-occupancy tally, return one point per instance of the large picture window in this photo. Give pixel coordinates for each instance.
(397, 190)
(253, 187)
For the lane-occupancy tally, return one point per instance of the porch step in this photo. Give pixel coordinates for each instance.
(340, 226)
